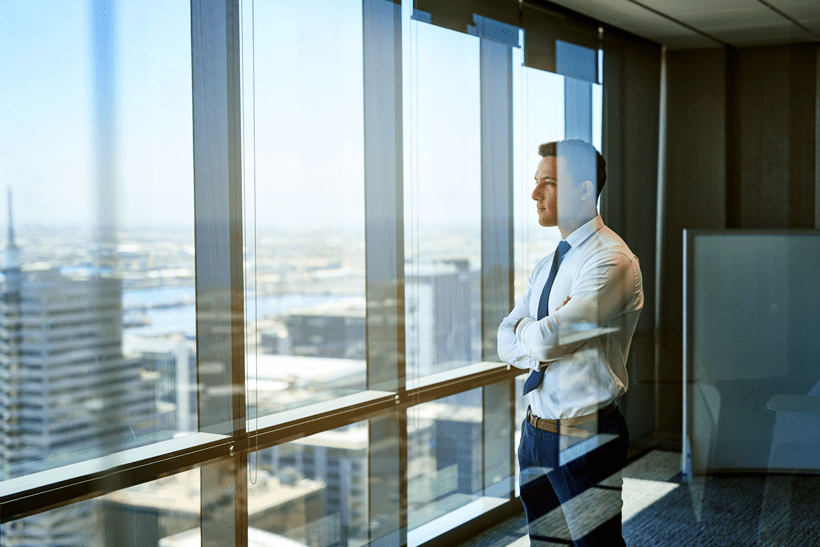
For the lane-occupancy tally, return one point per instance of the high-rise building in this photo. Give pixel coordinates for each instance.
(338, 459)
(334, 329)
(173, 359)
(444, 467)
(67, 393)
(444, 464)
(443, 323)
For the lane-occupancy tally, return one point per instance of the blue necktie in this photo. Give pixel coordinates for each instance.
(535, 377)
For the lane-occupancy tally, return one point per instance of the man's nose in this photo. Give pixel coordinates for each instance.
(536, 193)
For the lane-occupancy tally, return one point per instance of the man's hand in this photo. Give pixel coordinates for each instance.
(563, 304)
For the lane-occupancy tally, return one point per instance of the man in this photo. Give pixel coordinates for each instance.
(572, 329)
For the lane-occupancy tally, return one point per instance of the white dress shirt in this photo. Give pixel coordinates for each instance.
(584, 344)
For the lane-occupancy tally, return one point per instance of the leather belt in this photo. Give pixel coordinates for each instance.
(564, 426)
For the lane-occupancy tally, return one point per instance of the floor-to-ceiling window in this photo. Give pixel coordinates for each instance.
(98, 354)
(257, 254)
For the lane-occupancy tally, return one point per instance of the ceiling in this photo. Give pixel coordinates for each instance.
(684, 24)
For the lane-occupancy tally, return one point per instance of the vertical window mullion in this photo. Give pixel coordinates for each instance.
(384, 237)
(497, 273)
(215, 38)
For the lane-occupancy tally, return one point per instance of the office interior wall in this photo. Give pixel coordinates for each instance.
(772, 132)
(696, 198)
(741, 152)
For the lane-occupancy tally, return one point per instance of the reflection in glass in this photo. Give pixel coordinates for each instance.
(538, 117)
(539, 107)
(313, 491)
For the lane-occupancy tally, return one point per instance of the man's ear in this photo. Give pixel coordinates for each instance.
(587, 190)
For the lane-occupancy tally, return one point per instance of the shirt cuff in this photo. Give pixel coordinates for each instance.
(519, 328)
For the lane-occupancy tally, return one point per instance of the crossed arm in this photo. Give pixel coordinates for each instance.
(601, 291)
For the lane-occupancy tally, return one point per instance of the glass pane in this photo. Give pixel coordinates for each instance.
(442, 196)
(539, 117)
(161, 513)
(444, 463)
(751, 361)
(313, 491)
(304, 203)
(98, 324)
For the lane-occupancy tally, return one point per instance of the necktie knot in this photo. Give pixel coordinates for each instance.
(562, 249)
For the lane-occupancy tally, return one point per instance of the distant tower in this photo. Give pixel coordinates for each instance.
(12, 251)
(67, 393)
(10, 338)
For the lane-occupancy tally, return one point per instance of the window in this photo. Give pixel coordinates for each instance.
(100, 226)
(446, 465)
(323, 509)
(304, 182)
(442, 191)
(285, 315)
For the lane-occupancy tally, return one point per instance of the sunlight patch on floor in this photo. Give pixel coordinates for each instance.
(638, 494)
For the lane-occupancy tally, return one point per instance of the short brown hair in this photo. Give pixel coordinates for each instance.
(580, 156)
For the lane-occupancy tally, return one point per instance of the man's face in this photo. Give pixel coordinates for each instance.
(557, 199)
(545, 193)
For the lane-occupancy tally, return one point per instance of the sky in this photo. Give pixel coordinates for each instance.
(48, 135)
(303, 115)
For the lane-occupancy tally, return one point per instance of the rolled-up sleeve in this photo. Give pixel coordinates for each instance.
(604, 289)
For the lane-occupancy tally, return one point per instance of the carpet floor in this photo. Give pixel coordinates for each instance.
(726, 511)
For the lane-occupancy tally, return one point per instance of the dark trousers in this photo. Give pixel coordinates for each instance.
(587, 486)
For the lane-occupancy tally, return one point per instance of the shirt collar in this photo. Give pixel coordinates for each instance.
(580, 234)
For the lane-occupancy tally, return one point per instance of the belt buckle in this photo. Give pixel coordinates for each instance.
(532, 418)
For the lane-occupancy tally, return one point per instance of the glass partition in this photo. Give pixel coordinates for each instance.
(547, 107)
(120, 328)
(751, 382)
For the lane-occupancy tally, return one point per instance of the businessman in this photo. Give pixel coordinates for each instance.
(572, 330)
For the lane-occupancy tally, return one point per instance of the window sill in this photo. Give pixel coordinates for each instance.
(437, 528)
(29, 494)
(442, 384)
(38, 492)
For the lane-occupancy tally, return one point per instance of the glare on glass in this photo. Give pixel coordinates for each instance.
(98, 317)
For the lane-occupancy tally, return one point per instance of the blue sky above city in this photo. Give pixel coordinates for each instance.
(308, 110)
